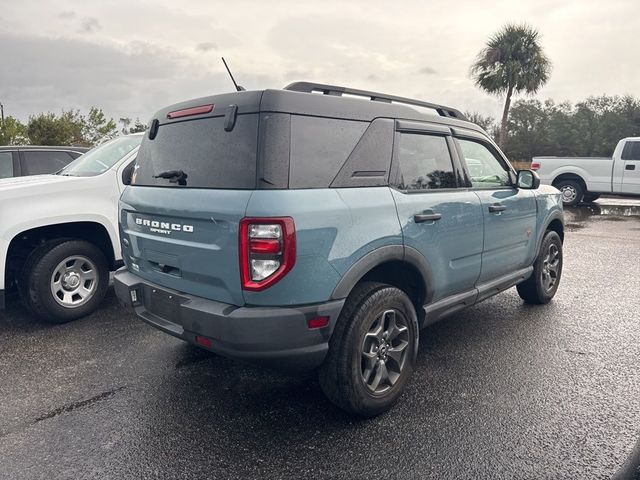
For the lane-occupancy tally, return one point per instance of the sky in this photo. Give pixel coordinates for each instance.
(133, 57)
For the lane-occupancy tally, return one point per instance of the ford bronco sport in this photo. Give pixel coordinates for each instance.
(309, 229)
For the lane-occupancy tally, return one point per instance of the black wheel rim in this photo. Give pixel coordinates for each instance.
(550, 268)
(384, 351)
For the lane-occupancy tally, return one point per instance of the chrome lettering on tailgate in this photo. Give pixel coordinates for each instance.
(164, 228)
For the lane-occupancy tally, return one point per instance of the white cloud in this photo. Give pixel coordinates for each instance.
(143, 54)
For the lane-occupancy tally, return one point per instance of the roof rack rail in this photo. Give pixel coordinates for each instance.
(334, 90)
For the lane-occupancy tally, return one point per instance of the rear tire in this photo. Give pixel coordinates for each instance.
(63, 280)
(572, 192)
(372, 350)
(542, 285)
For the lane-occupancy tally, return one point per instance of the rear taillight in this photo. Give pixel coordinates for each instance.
(535, 165)
(267, 250)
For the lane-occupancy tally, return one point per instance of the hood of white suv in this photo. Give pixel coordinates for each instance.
(37, 185)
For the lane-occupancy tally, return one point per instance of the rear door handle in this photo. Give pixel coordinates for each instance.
(497, 207)
(630, 166)
(426, 217)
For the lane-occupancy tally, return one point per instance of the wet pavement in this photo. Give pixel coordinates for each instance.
(501, 390)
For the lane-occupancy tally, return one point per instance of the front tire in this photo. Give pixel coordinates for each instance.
(372, 350)
(572, 192)
(64, 280)
(543, 284)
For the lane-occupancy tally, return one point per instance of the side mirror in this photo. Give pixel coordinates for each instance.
(528, 180)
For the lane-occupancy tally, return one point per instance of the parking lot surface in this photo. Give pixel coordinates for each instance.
(501, 390)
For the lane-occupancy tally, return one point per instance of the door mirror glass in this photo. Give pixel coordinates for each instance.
(528, 179)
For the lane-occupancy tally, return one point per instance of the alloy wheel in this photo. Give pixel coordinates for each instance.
(384, 351)
(550, 267)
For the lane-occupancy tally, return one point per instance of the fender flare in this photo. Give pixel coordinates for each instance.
(388, 253)
(556, 215)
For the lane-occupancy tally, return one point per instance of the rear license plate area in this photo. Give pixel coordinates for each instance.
(163, 304)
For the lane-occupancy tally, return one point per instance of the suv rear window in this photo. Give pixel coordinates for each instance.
(209, 156)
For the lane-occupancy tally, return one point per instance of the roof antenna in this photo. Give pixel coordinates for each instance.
(239, 88)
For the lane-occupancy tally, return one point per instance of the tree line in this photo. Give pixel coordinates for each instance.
(590, 128)
(70, 127)
(512, 62)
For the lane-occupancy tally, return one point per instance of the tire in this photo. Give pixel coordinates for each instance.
(347, 378)
(543, 284)
(572, 192)
(590, 197)
(64, 266)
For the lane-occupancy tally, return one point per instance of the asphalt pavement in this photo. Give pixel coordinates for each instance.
(501, 390)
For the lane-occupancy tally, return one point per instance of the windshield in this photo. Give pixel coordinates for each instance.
(102, 158)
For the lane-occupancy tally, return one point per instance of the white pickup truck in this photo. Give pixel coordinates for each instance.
(586, 178)
(59, 233)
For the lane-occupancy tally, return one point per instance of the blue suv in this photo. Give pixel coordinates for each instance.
(321, 227)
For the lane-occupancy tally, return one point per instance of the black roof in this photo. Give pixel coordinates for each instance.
(71, 148)
(307, 98)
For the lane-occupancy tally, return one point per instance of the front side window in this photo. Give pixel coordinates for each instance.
(6, 165)
(424, 162)
(485, 169)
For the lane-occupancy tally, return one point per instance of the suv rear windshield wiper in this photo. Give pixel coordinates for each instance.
(174, 176)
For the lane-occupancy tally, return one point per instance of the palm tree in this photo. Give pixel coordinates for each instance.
(511, 62)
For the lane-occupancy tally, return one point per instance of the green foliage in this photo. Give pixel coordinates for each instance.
(592, 127)
(49, 129)
(487, 122)
(511, 62)
(70, 128)
(13, 132)
(512, 59)
(128, 128)
(138, 127)
(97, 128)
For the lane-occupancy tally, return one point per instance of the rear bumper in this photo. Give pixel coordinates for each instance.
(2, 304)
(278, 336)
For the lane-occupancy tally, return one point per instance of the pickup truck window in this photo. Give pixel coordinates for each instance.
(485, 170)
(6, 165)
(631, 151)
(424, 162)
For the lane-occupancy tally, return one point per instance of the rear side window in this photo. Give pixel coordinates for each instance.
(6, 165)
(424, 162)
(631, 151)
(39, 162)
(319, 148)
(209, 156)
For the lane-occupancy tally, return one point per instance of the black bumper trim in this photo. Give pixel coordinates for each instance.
(2, 300)
(278, 336)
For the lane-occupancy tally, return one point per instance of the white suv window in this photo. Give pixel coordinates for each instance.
(6, 165)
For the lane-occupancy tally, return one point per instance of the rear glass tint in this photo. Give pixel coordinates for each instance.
(209, 156)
